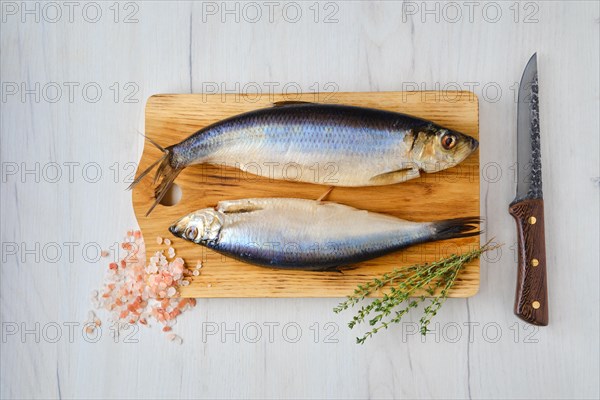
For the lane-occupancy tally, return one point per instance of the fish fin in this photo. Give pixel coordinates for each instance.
(158, 146)
(397, 176)
(338, 268)
(456, 228)
(321, 197)
(147, 170)
(290, 103)
(341, 268)
(167, 175)
(237, 206)
(164, 171)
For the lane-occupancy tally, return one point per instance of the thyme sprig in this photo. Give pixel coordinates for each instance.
(403, 284)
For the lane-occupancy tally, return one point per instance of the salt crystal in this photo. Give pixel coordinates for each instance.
(104, 253)
(209, 285)
(199, 265)
(196, 272)
(134, 292)
(175, 338)
(159, 240)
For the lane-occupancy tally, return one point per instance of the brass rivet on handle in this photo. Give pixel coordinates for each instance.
(536, 304)
(532, 220)
(535, 262)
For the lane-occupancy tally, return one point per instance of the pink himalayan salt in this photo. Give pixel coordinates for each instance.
(175, 338)
(133, 292)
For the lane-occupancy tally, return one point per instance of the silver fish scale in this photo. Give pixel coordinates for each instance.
(330, 139)
(308, 234)
(337, 131)
(321, 143)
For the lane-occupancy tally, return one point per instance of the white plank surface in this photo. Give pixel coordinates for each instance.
(181, 47)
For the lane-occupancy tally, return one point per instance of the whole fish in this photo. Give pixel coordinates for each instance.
(335, 145)
(308, 234)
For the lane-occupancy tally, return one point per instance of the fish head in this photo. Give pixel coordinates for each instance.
(199, 226)
(435, 148)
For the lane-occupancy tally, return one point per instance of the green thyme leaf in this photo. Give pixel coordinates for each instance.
(402, 285)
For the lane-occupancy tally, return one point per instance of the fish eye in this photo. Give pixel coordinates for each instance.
(449, 141)
(191, 232)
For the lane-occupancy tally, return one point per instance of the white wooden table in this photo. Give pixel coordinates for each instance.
(74, 84)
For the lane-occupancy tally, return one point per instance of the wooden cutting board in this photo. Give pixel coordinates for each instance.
(448, 194)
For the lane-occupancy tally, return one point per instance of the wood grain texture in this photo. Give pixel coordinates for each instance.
(172, 118)
(531, 298)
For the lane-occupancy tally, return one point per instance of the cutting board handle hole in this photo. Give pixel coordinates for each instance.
(172, 197)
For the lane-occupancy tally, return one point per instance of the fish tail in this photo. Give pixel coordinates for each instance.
(147, 170)
(457, 228)
(166, 173)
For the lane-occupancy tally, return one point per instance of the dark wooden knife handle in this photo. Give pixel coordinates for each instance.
(531, 300)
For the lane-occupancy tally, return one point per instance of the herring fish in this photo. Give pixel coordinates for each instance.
(310, 235)
(328, 144)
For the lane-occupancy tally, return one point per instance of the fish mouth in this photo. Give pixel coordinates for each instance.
(173, 229)
(474, 144)
(178, 227)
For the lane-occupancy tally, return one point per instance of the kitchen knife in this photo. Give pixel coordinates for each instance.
(531, 300)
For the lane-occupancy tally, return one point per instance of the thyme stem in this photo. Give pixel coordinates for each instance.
(403, 284)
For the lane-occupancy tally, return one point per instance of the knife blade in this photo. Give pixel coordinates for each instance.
(531, 298)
